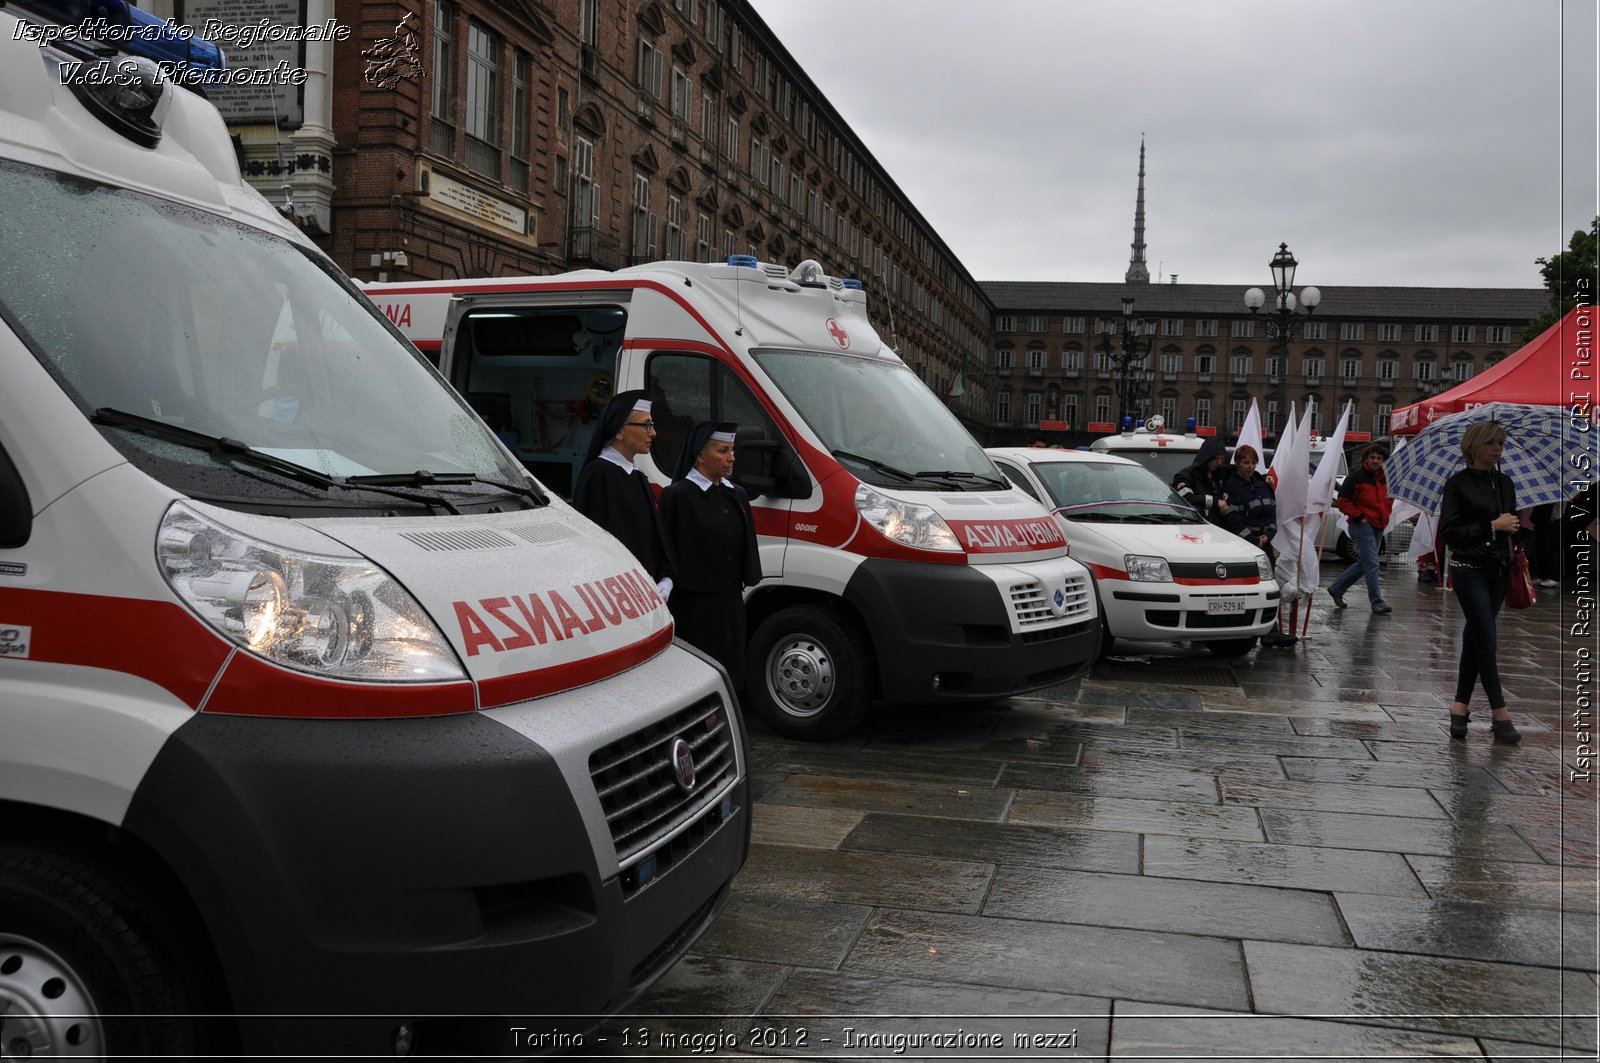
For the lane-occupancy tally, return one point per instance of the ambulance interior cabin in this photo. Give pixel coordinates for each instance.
(539, 380)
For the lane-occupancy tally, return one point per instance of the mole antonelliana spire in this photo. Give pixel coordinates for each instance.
(1138, 270)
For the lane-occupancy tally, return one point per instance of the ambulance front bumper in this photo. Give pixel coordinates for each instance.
(355, 875)
(1170, 612)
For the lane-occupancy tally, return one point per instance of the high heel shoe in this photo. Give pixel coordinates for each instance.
(1458, 725)
(1505, 732)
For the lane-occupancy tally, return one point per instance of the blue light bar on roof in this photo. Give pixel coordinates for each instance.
(748, 261)
(853, 284)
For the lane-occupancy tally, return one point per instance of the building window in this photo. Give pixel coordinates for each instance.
(1274, 368)
(1204, 364)
(1460, 370)
(682, 97)
(731, 148)
(714, 24)
(648, 72)
(1102, 407)
(1425, 334)
(1005, 323)
(1069, 409)
(643, 246)
(1072, 326)
(1422, 371)
(1237, 409)
(563, 109)
(443, 60)
(1463, 333)
(1072, 360)
(736, 46)
(1349, 368)
(1316, 330)
(1354, 424)
(1243, 329)
(1205, 328)
(1171, 365)
(1002, 407)
(1202, 411)
(1036, 323)
(1036, 360)
(1388, 333)
(1352, 330)
(1035, 405)
(1312, 367)
(689, 8)
(1169, 411)
(1002, 358)
(1380, 420)
(1273, 421)
(589, 22)
(585, 201)
(1497, 334)
(1103, 362)
(483, 98)
(674, 227)
(521, 68)
(1172, 326)
(1388, 368)
(702, 225)
(1240, 365)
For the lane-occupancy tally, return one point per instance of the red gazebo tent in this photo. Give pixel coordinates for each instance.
(1537, 375)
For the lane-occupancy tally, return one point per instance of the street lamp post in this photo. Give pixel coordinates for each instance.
(1133, 376)
(1283, 323)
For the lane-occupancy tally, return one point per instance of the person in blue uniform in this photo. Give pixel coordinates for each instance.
(712, 535)
(612, 492)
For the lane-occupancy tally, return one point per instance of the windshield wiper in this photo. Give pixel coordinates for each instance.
(875, 464)
(424, 478)
(962, 474)
(237, 450)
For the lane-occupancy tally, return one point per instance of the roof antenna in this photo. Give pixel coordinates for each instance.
(287, 209)
(883, 277)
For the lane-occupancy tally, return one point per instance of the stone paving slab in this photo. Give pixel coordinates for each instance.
(880, 763)
(1331, 797)
(784, 930)
(1197, 739)
(1396, 834)
(951, 800)
(1156, 781)
(1163, 1031)
(1210, 762)
(865, 878)
(1219, 721)
(1500, 882)
(1002, 843)
(1512, 1052)
(797, 825)
(1389, 773)
(710, 986)
(1532, 936)
(1137, 816)
(1290, 866)
(1171, 968)
(1145, 903)
(1419, 992)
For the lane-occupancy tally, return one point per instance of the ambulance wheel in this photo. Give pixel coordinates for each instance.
(810, 675)
(89, 964)
(1346, 549)
(1231, 647)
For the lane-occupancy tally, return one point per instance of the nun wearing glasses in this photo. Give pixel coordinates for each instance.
(712, 535)
(615, 494)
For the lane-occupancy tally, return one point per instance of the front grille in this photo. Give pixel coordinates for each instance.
(1031, 606)
(1208, 570)
(638, 786)
(1215, 620)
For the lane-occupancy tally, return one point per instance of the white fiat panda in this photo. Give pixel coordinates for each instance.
(1163, 574)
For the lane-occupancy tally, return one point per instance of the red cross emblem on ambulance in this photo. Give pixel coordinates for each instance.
(840, 336)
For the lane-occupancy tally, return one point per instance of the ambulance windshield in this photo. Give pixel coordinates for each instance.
(880, 420)
(178, 316)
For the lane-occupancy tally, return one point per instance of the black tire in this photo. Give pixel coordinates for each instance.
(1231, 647)
(92, 964)
(1346, 549)
(808, 673)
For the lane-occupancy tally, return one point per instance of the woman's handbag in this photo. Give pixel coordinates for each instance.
(1519, 581)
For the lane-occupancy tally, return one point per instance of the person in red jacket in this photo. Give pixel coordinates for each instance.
(1364, 499)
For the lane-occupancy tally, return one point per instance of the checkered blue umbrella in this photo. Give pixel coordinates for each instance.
(1549, 454)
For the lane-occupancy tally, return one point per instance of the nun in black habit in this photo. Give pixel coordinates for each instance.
(712, 536)
(614, 494)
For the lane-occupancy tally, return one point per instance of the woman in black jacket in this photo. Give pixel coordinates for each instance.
(1477, 519)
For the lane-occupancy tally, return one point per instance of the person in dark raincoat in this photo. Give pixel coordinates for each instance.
(711, 533)
(1200, 484)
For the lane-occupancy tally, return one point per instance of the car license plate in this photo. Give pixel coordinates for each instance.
(1216, 606)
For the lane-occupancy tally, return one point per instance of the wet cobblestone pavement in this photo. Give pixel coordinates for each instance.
(1282, 855)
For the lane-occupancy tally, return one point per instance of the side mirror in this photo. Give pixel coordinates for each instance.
(16, 509)
(769, 467)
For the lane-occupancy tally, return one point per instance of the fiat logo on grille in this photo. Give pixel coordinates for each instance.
(1222, 570)
(683, 764)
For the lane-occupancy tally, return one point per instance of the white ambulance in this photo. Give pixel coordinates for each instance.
(314, 707)
(898, 563)
(1163, 573)
(1149, 443)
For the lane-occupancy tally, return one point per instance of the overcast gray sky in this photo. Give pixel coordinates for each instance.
(1395, 142)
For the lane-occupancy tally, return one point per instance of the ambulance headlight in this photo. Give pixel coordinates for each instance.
(1147, 569)
(1264, 567)
(908, 523)
(339, 617)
